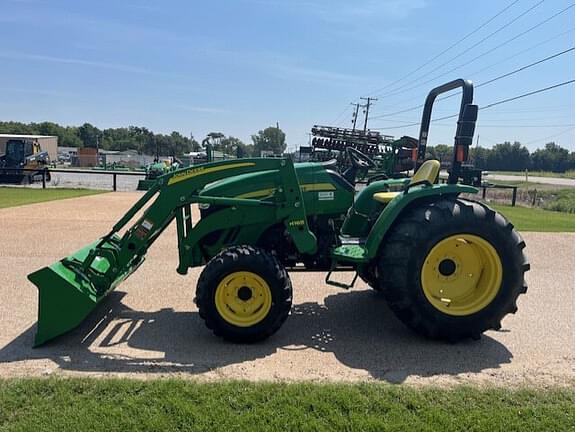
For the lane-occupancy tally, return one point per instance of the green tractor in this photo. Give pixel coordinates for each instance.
(449, 267)
(156, 169)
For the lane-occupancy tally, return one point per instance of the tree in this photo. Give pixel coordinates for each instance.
(507, 156)
(123, 138)
(234, 146)
(442, 152)
(89, 135)
(479, 157)
(270, 139)
(551, 158)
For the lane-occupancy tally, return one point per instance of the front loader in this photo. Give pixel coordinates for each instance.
(450, 268)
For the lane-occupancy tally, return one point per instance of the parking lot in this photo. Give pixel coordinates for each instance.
(150, 327)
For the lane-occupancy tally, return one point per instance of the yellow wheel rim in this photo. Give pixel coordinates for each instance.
(461, 275)
(243, 298)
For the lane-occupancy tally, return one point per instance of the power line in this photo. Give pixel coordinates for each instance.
(539, 109)
(447, 49)
(506, 59)
(340, 115)
(486, 52)
(513, 125)
(413, 108)
(531, 48)
(550, 136)
(505, 75)
(513, 72)
(564, 83)
(491, 105)
(402, 89)
(417, 123)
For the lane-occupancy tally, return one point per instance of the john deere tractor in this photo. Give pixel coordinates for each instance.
(157, 169)
(449, 267)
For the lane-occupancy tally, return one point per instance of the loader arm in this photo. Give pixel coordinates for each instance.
(83, 279)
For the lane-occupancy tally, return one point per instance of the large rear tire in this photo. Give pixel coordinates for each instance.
(244, 294)
(452, 269)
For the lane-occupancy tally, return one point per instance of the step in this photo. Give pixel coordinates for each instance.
(350, 253)
(347, 241)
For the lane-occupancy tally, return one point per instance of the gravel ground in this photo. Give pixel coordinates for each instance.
(150, 327)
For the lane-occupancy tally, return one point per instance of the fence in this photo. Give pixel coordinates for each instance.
(46, 172)
(115, 174)
(484, 188)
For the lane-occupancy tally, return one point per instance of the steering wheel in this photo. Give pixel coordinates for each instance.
(358, 159)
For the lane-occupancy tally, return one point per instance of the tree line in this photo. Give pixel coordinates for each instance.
(509, 156)
(146, 141)
(506, 156)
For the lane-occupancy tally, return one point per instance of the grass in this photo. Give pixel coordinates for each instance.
(562, 200)
(534, 219)
(167, 405)
(566, 174)
(12, 196)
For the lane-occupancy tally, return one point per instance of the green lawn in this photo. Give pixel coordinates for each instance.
(534, 219)
(13, 196)
(169, 405)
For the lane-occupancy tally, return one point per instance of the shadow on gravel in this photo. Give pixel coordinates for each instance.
(357, 327)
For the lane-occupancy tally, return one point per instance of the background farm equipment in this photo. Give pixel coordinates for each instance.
(391, 158)
(23, 162)
(448, 267)
(156, 169)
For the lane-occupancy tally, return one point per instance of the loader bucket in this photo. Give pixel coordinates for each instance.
(67, 295)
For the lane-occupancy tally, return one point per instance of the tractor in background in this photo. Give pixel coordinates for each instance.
(23, 162)
(157, 169)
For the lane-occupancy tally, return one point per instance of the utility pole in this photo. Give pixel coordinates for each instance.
(354, 120)
(98, 150)
(367, 105)
(278, 134)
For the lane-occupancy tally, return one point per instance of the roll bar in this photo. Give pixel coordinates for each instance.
(465, 125)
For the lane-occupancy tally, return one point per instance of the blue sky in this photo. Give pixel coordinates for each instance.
(239, 66)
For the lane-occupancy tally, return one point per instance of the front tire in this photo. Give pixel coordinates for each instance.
(244, 294)
(452, 269)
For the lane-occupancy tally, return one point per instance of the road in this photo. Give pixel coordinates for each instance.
(150, 327)
(558, 181)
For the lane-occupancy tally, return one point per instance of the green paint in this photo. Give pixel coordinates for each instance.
(293, 194)
(71, 288)
(392, 210)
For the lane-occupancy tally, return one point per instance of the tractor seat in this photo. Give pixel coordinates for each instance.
(428, 171)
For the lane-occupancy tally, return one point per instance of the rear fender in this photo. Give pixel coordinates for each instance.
(396, 207)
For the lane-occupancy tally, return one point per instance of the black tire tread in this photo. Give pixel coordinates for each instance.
(264, 262)
(397, 270)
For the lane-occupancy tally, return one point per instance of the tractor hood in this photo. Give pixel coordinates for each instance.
(317, 182)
